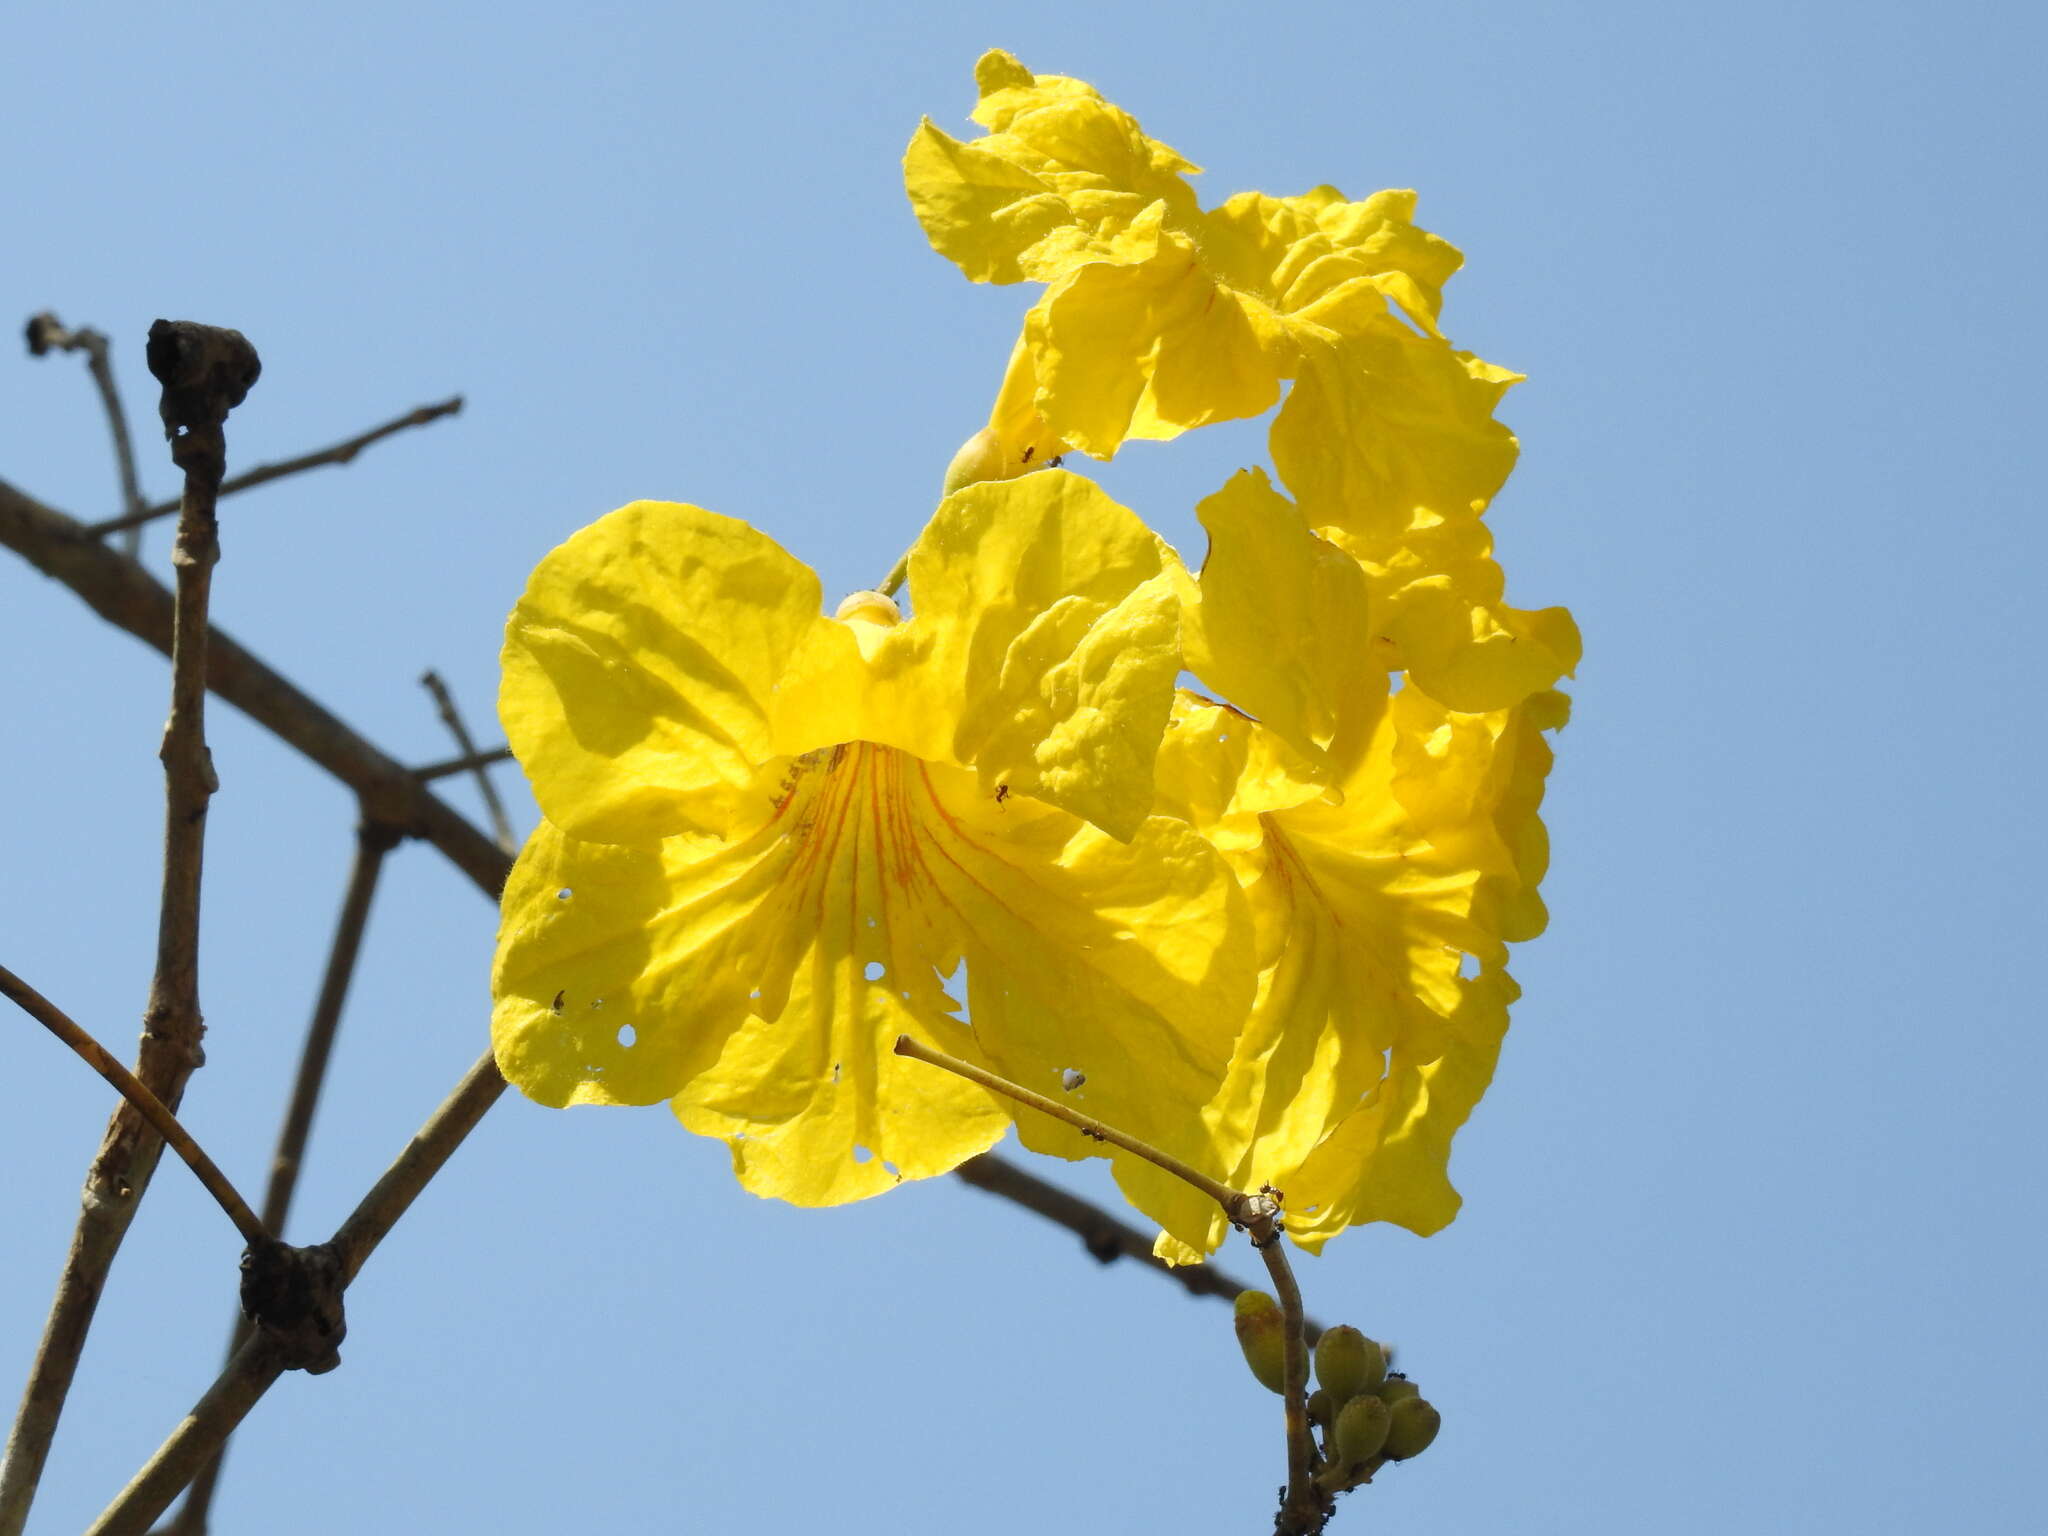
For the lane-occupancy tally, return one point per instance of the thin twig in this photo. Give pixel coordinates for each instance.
(1105, 1238)
(263, 474)
(1305, 1508)
(46, 331)
(128, 597)
(196, 1440)
(199, 1436)
(1233, 1201)
(453, 765)
(147, 1104)
(444, 703)
(373, 842)
(205, 373)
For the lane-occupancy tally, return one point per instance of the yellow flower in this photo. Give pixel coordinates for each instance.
(1383, 914)
(773, 838)
(1159, 315)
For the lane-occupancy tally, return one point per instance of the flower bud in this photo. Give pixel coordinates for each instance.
(1262, 1335)
(1348, 1363)
(870, 607)
(1321, 1408)
(1411, 1424)
(1362, 1426)
(1394, 1388)
(980, 458)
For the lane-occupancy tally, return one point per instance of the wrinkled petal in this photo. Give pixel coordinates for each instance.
(1043, 646)
(1384, 424)
(765, 981)
(1282, 625)
(1382, 923)
(640, 668)
(1150, 349)
(1061, 179)
(1440, 613)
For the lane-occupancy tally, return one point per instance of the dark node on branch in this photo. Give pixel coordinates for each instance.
(1103, 1247)
(205, 370)
(44, 331)
(293, 1296)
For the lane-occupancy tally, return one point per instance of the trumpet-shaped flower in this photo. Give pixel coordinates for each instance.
(1159, 315)
(774, 839)
(1382, 915)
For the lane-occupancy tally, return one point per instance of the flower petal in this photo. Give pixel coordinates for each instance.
(640, 667)
(1282, 626)
(765, 980)
(1370, 913)
(1045, 639)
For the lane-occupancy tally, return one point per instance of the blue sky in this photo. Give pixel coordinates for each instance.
(1750, 1236)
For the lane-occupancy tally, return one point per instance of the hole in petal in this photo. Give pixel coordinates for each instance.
(875, 970)
(754, 996)
(1072, 1078)
(564, 894)
(894, 1172)
(556, 1005)
(862, 1155)
(835, 1071)
(1468, 966)
(626, 1036)
(1397, 682)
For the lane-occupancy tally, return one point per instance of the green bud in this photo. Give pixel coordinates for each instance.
(1362, 1426)
(980, 458)
(1348, 1363)
(1411, 1424)
(1262, 1335)
(1395, 1388)
(1321, 1409)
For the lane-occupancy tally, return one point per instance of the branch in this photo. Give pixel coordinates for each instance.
(454, 765)
(444, 702)
(1234, 1202)
(205, 373)
(373, 842)
(1105, 1238)
(46, 331)
(1305, 1508)
(199, 1437)
(147, 1104)
(263, 474)
(128, 597)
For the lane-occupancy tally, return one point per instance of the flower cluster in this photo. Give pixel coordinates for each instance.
(1262, 926)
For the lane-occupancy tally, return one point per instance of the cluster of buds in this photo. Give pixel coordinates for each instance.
(1367, 1415)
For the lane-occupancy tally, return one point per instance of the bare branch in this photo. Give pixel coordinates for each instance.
(444, 702)
(1105, 1238)
(195, 1441)
(198, 1438)
(45, 332)
(373, 842)
(128, 597)
(147, 1104)
(454, 765)
(263, 474)
(205, 372)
